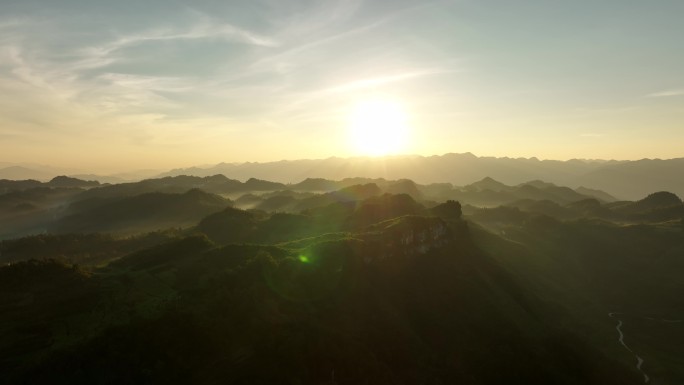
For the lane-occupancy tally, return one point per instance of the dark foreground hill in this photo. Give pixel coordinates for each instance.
(411, 300)
(606, 275)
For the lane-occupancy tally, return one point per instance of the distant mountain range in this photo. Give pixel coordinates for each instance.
(25, 171)
(623, 179)
(21, 173)
(67, 204)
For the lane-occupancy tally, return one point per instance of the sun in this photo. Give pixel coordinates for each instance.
(378, 127)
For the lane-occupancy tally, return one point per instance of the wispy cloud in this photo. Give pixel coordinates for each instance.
(291, 52)
(207, 28)
(382, 80)
(667, 93)
(321, 15)
(197, 74)
(201, 31)
(75, 72)
(154, 83)
(11, 23)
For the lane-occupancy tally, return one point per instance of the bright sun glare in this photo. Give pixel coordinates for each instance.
(378, 127)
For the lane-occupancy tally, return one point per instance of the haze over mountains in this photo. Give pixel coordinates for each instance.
(67, 204)
(23, 171)
(204, 278)
(623, 179)
(207, 278)
(188, 279)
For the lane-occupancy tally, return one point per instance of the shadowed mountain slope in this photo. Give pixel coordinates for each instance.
(409, 300)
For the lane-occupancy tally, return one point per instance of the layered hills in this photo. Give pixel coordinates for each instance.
(624, 179)
(362, 280)
(72, 205)
(631, 179)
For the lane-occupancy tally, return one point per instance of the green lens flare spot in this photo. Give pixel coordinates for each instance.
(304, 259)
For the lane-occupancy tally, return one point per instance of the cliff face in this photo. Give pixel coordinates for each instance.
(406, 237)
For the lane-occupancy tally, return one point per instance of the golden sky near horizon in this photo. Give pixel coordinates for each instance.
(110, 86)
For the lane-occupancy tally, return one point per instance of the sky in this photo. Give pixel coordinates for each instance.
(116, 85)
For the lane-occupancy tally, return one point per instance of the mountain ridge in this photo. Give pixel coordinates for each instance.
(617, 177)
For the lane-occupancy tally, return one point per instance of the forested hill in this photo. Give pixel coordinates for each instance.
(407, 300)
(210, 280)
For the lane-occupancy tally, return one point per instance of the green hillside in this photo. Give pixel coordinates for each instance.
(353, 285)
(409, 300)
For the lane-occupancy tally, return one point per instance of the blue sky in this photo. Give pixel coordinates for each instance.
(122, 84)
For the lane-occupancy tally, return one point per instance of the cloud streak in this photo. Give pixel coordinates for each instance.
(102, 55)
(667, 93)
(225, 31)
(383, 80)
